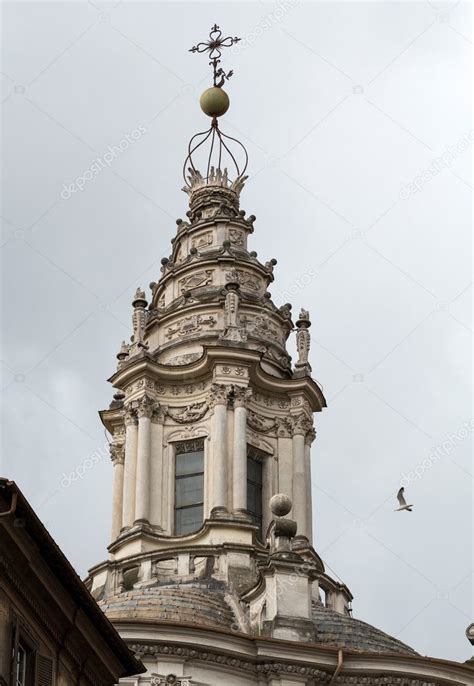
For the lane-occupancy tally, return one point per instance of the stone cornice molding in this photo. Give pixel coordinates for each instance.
(186, 653)
(266, 667)
(187, 540)
(144, 365)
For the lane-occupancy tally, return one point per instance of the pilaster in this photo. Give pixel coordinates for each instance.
(301, 424)
(117, 455)
(142, 489)
(241, 397)
(130, 467)
(157, 483)
(218, 402)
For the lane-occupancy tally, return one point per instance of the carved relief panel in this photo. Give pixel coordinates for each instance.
(190, 325)
(262, 326)
(204, 277)
(247, 280)
(204, 240)
(237, 238)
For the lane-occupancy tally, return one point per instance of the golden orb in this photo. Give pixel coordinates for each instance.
(214, 102)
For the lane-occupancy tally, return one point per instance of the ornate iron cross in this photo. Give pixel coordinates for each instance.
(214, 47)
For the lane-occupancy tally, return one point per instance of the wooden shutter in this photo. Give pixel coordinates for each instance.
(44, 671)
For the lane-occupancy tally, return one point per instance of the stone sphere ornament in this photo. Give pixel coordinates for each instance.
(214, 102)
(280, 504)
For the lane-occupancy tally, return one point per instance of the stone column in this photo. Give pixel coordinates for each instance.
(117, 455)
(285, 458)
(130, 468)
(239, 462)
(157, 483)
(310, 436)
(218, 400)
(142, 491)
(300, 512)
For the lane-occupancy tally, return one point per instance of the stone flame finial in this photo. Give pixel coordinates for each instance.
(139, 304)
(303, 344)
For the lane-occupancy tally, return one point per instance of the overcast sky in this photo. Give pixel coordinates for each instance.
(357, 121)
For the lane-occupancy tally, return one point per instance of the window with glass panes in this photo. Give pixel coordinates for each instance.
(254, 485)
(24, 658)
(189, 487)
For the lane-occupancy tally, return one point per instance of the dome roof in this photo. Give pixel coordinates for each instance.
(205, 603)
(193, 603)
(344, 631)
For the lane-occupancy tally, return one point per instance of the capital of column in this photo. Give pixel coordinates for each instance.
(284, 427)
(300, 425)
(145, 407)
(130, 416)
(117, 453)
(218, 395)
(241, 396)
(310, 436)
(158, 414)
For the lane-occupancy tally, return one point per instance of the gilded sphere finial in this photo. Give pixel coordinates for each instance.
(214, 102)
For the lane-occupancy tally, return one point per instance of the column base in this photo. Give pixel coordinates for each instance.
(219, 511)
(300, 542)
(242, 514)
(302, 370)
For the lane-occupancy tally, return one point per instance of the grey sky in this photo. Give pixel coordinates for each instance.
(343, 107)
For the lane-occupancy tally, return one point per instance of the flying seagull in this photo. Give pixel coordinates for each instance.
(402, 501)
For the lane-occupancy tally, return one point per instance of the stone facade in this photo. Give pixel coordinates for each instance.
(241, 597)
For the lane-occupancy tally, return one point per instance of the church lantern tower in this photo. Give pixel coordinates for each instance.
(210, 420)
(212, 577)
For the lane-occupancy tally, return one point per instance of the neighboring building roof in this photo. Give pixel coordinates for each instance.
(200, 603)
(344, 631)
(66, 575)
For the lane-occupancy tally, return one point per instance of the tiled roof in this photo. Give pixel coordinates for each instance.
(204, 603)
(342, 631)
(196, 603)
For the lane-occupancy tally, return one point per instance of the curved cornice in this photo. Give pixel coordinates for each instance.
(269, 655)
(143, 364)
(181, 542)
